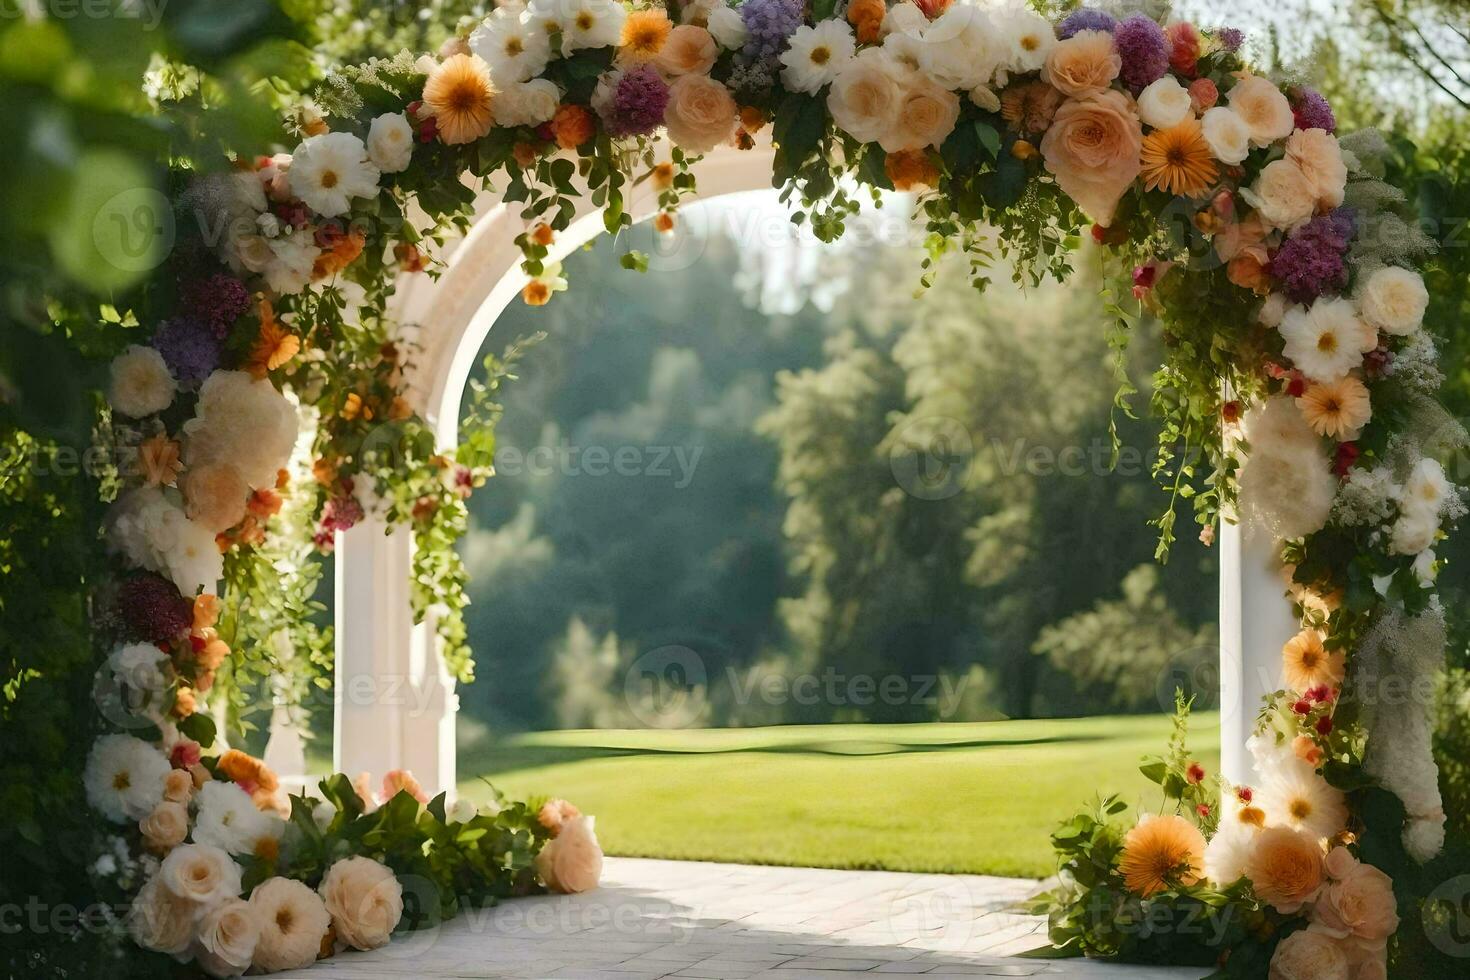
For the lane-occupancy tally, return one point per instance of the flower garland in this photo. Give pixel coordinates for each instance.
(1297, 394)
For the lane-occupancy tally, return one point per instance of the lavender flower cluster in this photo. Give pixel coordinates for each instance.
(1144, 49)
(1311, 261)
(769, 24)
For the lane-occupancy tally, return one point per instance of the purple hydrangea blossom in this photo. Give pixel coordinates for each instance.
(217, 300)
(153, 609)
(1312, 110)
(638, 102)
(1086, 19)
(1230, 38)
(189, 347)
(1144, 49)
(769, 24)
(1310, 262)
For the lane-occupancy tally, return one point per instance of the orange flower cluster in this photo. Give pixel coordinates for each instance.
(911, 168)
(572, 126)
(866, 18)
(251, 775)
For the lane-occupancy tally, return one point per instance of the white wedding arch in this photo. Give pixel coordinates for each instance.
(396, 703)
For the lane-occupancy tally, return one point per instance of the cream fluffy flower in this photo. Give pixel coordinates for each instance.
(140, 383)
(1028, 37)
(327, 171)
(571, 862)
(390, 142)
(1296, 797)
(159, 920)
(816, 54)
(1264, 109)
(244, 421)
(513, 47)
(1326, 340)
(293, 922)
(1226, 134)
(701, 113)
(926, 116)
(1164, 103)
(1394, 300)
(867, 95)
(527, 103)
(1228, 851)
(227, 937)
(1287, 483)
(1317, 155)
(957, 50)
(124, 778)
(365, 901)
(727, 26)
(201, 874)
(1282, 195)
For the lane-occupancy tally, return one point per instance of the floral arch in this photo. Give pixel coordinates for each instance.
(300, 386)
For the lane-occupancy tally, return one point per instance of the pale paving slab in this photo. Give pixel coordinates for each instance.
(687, 920)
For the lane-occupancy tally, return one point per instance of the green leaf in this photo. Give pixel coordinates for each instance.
(200, 727)
(1154, 772)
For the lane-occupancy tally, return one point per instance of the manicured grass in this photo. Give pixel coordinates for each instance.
(979, 798)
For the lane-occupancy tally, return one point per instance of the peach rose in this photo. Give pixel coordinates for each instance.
(1242, 237)
(1285, 868)
(201, 873)
(701, 113)
(1317, 155)
(402, 781)
(926, 116)
(1307, 750)
(1264, 109)
(1084, 63)
(178, 786)
(167, 826)
(1305, 955)
(227, 937)
(571, 862)
(1357, 902)
(867, 95)
(1092, 148)
(365, 901)
(160, 920)
(555, 814)
(1248, 271)
(214, 495)
(1282, 195)
(689, 50)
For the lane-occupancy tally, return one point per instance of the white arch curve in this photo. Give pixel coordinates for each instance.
(396, 704)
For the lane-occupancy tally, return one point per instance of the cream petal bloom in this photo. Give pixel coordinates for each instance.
(1265, 110)
(593, 24)
(327, 171)
(227, 937)
(1226, 134)
(1282, 195)
(200, 873)
(160, 920)
(816, 54)
(365, 901)
(1394, 300)
(527, 103)
(1165, 103)
(390, 142)
(293, 922)
(867, 95)
(140, 382)
(1327, 340)
(1317, 155)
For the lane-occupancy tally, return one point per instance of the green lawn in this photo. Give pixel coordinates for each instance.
(979, 798)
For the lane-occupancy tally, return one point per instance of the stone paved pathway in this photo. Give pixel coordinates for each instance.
(652, 920)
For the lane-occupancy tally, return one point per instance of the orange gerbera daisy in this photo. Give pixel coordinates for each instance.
(1338, 410)
(1160, 852)
(644, 34)
(459, 94)
(1307, 663)
(1178, 160)
(274, 345)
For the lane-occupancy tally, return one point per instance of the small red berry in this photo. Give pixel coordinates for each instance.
(1324, 725)
(1302, 707)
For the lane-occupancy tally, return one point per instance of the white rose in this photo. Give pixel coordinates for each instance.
(1394, 300)
(727, 27)
(202, 874)
(1165, 103)
(227, 937)
(390, 142)
(161, 921)
(1226, 134)
(365, 901)
(141, 384)
(526, 103)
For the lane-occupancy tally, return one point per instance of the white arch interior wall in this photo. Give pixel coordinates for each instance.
(395, 702)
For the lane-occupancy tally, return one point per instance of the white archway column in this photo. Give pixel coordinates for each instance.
(1255, 622)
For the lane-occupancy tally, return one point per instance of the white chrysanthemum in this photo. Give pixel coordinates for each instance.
(1228, 851)
(1327, 340)
(140, 383)
(727, 27)
(549, 17)
(243, 421)
(515, 49)
(292, 920)
(1028, 38)
(327, 171)
(229, 819)
(957, 49)
(1297, 797)
(124, 778)
(1394, 300)
(526, 103)
(1226, 134)
(591, 24)
(390, 142)
(1164, 103)
(816, 54)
